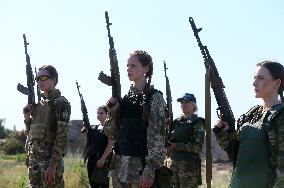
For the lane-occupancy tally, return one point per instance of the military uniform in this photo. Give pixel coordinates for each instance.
(260, 156)
(188, 135)
(137, 138)
(47, 130)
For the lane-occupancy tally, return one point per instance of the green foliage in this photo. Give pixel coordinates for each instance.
(17, 157)
(2, 129)
(21, 182)
(4, 133)
(13, 146)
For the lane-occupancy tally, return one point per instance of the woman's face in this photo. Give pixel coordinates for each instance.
(44, 82)
(187, 107)
(101, 115)
(135, 70)
(265, 86)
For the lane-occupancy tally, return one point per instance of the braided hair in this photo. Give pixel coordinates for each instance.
(146, 60)
(277, 71)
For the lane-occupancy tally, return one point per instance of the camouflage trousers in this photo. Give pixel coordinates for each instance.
(185, 174)
(39, 161)
(117, 184)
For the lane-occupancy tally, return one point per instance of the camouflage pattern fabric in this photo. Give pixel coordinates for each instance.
(117, 184)
(275, 135)
(189, 139)
(42, 154)
(185, 174)
(127, 168)
(39, 161)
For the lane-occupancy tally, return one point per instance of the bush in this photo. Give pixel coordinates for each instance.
(13, 146)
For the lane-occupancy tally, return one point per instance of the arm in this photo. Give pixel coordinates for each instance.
(196, 144)
(63, 111)
(224, 138)
(155, 136)
(107, 151)
(279, 181)
(110, 125)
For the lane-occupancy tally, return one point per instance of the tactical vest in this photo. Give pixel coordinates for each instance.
(43, 124)
(253, 166)
(132, 132)
(183, 133)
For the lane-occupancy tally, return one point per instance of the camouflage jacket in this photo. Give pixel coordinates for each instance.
(127, 167)
(61, 111)
(275, 135)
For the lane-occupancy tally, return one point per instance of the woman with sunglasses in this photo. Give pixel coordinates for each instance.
(139, 127)
(260, 133)
(47, 126)
(98, 151)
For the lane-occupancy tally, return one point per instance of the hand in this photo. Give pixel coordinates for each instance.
(100, 163)
(27, 111)
(172, 146)
(220, 123)
(50, 174)
(112, 104)
(146, 182)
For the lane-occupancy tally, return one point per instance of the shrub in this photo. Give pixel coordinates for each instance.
(13, 146)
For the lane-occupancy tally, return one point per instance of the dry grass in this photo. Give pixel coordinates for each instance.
(14, 174)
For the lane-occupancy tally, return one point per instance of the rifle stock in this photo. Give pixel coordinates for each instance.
(208, 129)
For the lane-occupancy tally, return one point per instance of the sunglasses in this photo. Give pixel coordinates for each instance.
(41, 78)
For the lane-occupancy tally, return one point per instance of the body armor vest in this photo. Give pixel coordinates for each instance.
(132, 133)
(43, 125)
(254, 167)
(183, 133)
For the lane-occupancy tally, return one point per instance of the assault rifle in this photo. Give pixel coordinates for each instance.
(224, 111)
(114, 79)
(85, 121)
(169, 109)
(29, 90)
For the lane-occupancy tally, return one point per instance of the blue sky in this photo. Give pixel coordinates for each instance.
(71, 35)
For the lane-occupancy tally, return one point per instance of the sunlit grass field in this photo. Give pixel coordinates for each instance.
(14, 174)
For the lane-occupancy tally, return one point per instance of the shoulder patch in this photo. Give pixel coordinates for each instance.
(62, 109)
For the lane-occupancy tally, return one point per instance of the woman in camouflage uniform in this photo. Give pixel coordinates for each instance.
(47, 126)
(139, 129)
(260, 133)
(186, 143)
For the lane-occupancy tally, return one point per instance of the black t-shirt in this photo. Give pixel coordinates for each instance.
(98, 142)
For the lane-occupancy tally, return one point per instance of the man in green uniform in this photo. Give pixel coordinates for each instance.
(47, 126)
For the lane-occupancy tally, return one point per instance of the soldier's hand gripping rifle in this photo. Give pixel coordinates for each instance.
(114, 79)
(85, 121)
(29, 90)
(169, 109)
(224, 111)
